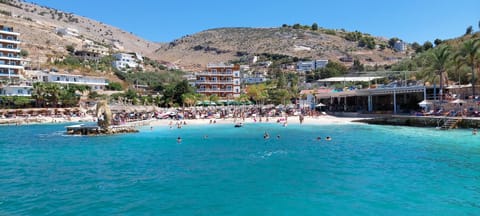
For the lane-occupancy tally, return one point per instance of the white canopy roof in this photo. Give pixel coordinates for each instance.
(350, 79)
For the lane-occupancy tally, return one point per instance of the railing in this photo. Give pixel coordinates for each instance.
(215, 90)
(214, 82)
(215, 73)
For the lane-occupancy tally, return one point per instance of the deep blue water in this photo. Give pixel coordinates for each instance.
(364, 170)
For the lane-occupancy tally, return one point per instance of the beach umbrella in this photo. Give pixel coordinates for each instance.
(457, 101)
(424, 103)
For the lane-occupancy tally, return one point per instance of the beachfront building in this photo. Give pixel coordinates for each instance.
(16, 90)
(306, 66)
(220, 79)
(10, 61)
(95, 83)
(127, 60)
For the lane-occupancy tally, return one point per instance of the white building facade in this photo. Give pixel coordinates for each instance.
(219, 79)
(305, 66)
(127, 60)
(95, 83)
(10, 60)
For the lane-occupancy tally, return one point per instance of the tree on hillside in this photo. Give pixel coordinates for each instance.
(314, 26)
(437, 42)
(470, 50)
(469, 30)
(417, 47)
(297, 26)
(427, 45)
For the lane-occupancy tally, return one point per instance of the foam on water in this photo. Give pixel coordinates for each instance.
(364, 170)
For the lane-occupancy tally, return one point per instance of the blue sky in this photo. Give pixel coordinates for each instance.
(166, 20)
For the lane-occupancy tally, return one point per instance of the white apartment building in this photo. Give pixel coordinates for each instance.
(95, 83)
(219, 79)
(10, 61)
(127, 60)
(305, 66)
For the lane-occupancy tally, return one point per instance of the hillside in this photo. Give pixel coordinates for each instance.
(223, 44)
(38, 28)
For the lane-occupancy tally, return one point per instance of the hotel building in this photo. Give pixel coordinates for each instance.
(220, 79)
(10, 61)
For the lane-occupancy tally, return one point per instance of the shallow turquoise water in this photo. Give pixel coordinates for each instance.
(365, 170)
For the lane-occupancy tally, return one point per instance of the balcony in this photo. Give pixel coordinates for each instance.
(8, 31)
(10, 66)
(211, 73)
(12, 58)
(6, 49)
(9, 41)
(226, 82)
(217, 90)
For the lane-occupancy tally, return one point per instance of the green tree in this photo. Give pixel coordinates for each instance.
(470, 50)
(439, 60)
(297, 26)
(417, 47)
(23, 53)
(437, 42)
(314, 27)
(39, 94)
(114, 86)
(427, 45)
(469, 30)
(70, 48)
(189, 99)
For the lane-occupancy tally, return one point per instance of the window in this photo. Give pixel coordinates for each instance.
(214, 70)
(58, 78)
(229, 70)
(20, 91)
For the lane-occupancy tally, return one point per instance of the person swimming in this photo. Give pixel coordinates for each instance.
(179, 140)
(266, 135)
(328, 138)
(319, 138)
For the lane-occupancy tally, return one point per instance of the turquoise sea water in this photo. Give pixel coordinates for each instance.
(364, 170)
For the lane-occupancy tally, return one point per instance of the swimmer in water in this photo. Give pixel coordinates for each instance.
(179, 140)
(319, 138)
(266, 135)
(328, 138)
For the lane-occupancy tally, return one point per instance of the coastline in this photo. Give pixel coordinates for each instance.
(316, 120)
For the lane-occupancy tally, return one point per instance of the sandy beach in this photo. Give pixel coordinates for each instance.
(317, 120)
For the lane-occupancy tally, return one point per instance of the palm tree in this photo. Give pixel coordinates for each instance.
(39, 94)
(189, 99)
(440, 57)
(456, 65)
(471, 52)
